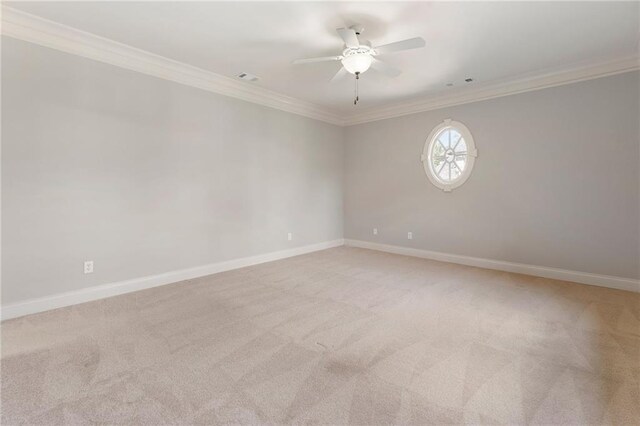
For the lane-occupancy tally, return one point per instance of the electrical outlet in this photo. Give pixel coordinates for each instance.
(375, 231)
(289, 236)
(410, 236)
(88, 267)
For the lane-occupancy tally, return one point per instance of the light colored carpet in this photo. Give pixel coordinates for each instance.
(340, 336)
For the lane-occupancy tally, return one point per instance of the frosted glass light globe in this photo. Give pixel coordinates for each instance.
(359, 62)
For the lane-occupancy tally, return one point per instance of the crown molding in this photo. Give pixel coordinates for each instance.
(520, 85)
(33, 29)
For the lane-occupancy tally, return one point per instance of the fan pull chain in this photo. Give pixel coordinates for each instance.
(357, 98)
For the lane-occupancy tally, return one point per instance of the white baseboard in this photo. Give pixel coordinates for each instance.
(520, 268)
(61, 300)
(46, 303)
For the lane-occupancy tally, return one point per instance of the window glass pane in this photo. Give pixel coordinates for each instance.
(445, 138)
(461, 161)
(438, 150)
(455, 137)
(461, 146)
(455, 173)
(444, 173)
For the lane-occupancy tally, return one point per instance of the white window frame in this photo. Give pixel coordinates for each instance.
(472, 153)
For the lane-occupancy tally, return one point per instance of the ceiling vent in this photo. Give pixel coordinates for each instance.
(248, 77)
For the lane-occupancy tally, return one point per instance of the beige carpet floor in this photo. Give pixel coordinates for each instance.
(342, 336)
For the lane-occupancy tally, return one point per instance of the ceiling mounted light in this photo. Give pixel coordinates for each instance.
(357, 57)
(357, 63)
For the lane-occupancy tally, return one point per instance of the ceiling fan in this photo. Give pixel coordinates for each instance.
(358, 57)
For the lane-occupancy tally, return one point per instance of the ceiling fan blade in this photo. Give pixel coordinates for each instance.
(321, 59)
(340, 74)
(385, 68)
(411, 43)
(349, 37)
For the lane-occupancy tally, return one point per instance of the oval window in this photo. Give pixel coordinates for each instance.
(449, 154)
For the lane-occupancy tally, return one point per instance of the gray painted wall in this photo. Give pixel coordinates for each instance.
(145, 176)
(556, 182)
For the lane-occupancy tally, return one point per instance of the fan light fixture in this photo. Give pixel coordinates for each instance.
(357, 57)
(357, 63)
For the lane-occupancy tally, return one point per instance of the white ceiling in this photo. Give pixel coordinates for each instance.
(487, 41)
